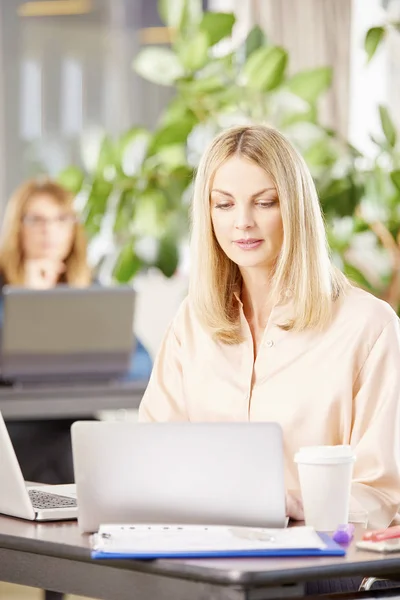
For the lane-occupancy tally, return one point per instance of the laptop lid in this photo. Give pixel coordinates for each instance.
(14, 493)
(66, 331)
(14, 498)
(214, 473)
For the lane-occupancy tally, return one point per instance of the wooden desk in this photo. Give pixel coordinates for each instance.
(55, 556)
(68, 401)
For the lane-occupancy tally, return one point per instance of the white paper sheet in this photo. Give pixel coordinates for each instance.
(176, 538)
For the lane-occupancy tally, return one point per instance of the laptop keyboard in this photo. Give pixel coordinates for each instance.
(43, 500)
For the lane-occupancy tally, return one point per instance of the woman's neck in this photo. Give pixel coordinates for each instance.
(256, 297)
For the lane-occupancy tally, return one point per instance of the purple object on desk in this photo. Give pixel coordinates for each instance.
(344, 534)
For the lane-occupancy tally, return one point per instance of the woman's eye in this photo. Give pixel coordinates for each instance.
(266, 203)
(223, 205)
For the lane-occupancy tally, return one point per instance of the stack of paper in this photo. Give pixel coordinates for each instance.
(179, 541)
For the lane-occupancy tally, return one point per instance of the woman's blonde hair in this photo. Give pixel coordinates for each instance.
(303, 270)
(77, 271)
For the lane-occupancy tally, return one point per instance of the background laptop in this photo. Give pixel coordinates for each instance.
(214, 473)
(36, 503)
(84, 333)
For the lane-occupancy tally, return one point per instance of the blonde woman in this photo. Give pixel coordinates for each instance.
(42, 241)
(279, 332)
(43, 244)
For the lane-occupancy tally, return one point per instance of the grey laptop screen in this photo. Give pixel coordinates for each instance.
(67, 330)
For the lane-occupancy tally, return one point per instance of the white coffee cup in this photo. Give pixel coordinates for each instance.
(325, 474)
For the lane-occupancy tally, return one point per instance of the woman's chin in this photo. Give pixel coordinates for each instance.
(251, 261)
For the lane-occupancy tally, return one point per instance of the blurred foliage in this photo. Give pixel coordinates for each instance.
(140, 186)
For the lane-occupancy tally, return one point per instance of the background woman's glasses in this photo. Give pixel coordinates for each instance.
(36, 221)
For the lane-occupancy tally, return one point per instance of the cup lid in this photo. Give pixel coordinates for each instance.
(324, 454)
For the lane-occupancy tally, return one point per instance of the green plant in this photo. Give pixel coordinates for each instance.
(376, 35)
(368, 244)
(142, 181)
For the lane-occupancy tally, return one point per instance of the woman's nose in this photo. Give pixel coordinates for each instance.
(244, 219)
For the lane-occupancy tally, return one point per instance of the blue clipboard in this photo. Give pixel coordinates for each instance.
(331, 549)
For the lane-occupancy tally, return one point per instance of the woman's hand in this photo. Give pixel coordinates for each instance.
(294, 506)
(43, 274)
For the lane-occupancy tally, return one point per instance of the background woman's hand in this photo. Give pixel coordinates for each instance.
(294, 506)
(43, 274)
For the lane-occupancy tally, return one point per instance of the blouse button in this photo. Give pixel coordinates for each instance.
(269, 343)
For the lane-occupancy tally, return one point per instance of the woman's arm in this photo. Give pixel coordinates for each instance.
(164, 397)
(375, 433)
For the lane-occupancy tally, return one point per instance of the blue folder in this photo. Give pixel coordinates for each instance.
(331, 549)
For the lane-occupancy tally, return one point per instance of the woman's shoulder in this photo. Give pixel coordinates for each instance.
(361, 308)
(186, 324)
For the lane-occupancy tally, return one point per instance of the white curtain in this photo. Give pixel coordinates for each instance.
(315, 33)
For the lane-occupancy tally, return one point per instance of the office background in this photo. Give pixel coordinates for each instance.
(66, 81)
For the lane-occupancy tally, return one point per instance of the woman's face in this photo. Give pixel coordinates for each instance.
(47, 229)
(246, 215)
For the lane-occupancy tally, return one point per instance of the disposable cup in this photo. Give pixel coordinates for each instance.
(325, 474)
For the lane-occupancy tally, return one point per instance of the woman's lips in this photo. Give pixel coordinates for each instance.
(250, 244)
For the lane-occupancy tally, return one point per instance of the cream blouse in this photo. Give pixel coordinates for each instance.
(341, 386)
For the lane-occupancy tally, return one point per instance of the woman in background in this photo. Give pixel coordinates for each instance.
(42, 245)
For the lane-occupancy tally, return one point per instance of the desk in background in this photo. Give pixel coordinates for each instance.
(55, 556)
(25, 402)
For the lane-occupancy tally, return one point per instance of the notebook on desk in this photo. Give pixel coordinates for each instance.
(146, 541)
(63, 333)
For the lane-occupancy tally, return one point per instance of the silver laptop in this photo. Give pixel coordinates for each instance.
(215, 473)
(36, 503)
(84, 333)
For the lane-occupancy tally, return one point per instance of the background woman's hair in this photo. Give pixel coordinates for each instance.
(303, 268)
(77, 271)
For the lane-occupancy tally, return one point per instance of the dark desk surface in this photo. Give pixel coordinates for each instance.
(67, 401)
(64, 541)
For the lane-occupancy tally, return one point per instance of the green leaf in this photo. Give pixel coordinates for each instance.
(131, 150)
(180, 14)
(359, 225)
(387, 126)
(339, 197)
(357, 277)
(177, 183)
(256, 38)
(171, 12)
(201, 86)
(72, 179)
(265, 68)
(130, 138)
(96, 205)
(193, 53)
(159, 65)
(176, 112)
(175, 132)
(217, 26)
(320, 153)
(107, 161)
(150, 210)
(169, 157)
(168, 256)
(395, 177)
(309, 116)
(124, 212)
(310, 84)
(128, 264)
(373, 38)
